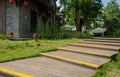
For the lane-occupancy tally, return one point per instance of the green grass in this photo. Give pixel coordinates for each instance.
(110, 69)
(14, 50)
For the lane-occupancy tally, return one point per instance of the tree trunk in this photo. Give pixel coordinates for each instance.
(85, 24)
(77, 19)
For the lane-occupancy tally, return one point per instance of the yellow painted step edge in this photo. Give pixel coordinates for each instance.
(12, 72)
(72, 60)
(95, 46)
(81, 51)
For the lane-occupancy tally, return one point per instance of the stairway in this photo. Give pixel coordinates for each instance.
(91, 53)
(75, 60)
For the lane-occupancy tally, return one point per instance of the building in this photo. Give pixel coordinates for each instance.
(20, 17)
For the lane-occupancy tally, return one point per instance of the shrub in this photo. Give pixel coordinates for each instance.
(15, 45)
(38, 43)
(64, 35)
(5, 36)
(46, 31)
(116, 34)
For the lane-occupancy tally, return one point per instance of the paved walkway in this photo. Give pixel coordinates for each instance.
(76, 60)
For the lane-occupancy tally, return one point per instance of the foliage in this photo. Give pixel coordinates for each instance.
(81, 12)
(64, 35)
(14, 50)
(111, 69)
(112, 20)
(112, 10)
(112, 25)
(116, 33)
(46, 31)
(5, 36)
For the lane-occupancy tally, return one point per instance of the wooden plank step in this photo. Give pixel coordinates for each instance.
(87, 52)
(91, 65)
(101, 43)
(96, 46)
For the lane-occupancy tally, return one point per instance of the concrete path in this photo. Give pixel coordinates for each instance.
(76, 60)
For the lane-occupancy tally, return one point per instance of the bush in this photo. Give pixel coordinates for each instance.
(116, 34)
(5, 36)
(64, 35)
(22, 45)
(46, 31)
(112, 25)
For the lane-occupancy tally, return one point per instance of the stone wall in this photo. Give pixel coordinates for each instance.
(12, 19)
(25, 20)
(18, 19)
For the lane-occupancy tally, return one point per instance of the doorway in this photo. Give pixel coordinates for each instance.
(33, 21)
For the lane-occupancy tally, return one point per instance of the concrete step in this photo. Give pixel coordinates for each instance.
(78, 50)
(81, 57)
(57, 55)
(115, 48)
(101, 43)
(20, 39)
(94, 50)
(100, 40)
(48, 67)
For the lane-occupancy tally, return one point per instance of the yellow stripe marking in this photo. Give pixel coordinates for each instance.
(12, 72)
(95, 46)
(72, 60)
(81, 51)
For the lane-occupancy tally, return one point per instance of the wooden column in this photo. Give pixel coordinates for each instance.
(2, 17)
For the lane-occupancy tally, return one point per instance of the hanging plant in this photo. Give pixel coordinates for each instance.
(12, 1)
(26, 3)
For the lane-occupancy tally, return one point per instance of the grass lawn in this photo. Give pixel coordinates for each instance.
(13, 50)
(110, 69)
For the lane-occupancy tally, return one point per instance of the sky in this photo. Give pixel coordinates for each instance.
(104, 2)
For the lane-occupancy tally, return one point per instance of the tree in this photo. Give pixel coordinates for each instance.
(112, 20)
(112, 10)
(81, 11)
